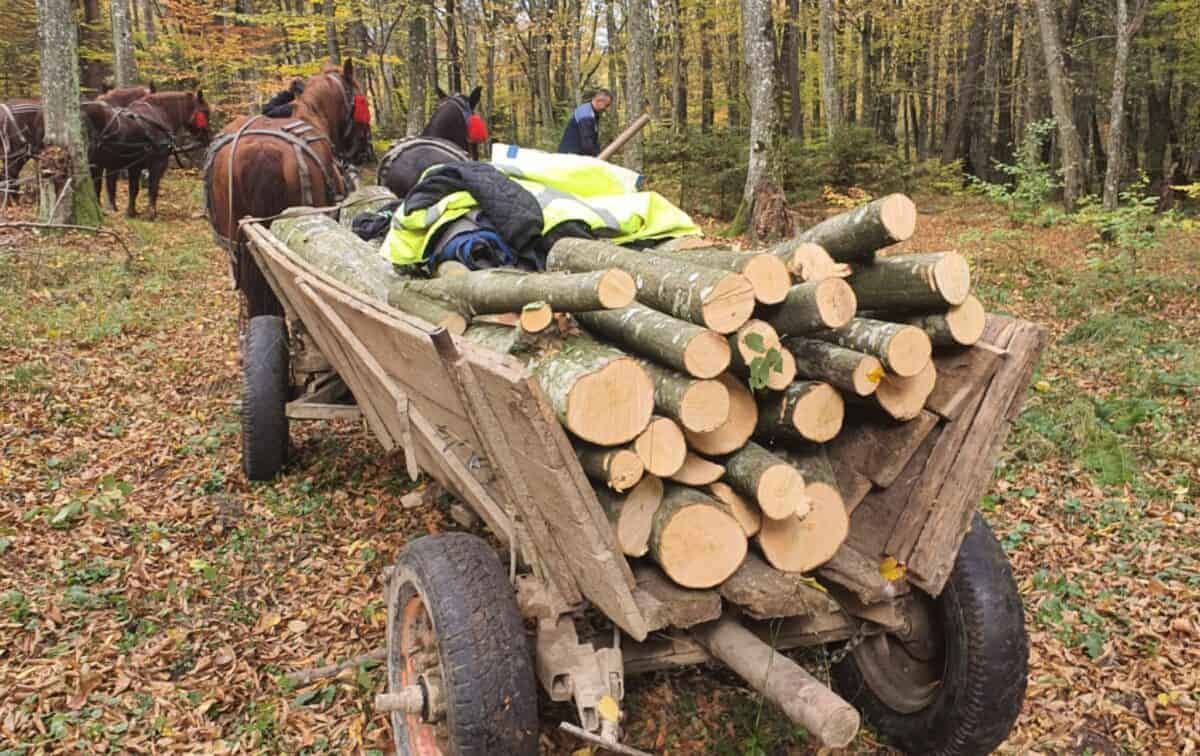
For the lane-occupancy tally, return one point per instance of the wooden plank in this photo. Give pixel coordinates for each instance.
(961, 375)
(934, 555)
(859, 574)
(878, 448)
(852, 484)
(764, 592)
(671, 605)
(873, 522)
(302, 409)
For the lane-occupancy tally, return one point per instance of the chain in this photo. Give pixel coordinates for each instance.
(860, 635)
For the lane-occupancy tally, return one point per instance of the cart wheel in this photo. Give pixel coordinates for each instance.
(953, 683)
(265, 386)
(455, 632)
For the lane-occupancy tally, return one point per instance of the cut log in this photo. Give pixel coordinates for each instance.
(813, 306)
(368, 198)
(673, 342)
(535, 317)
(450, 269)
(961, 325)
(598, 393)
(338, 253)
(698, 471)
(777, 487)
(859, 574)
(661, 447)
(903, 349)
(805, 411)
(843, 368)
(755, 341)
(764, 592)
(858, 233)
(697, 405)
(768, 274)
(619, 469)
(744, 511)
(903, 398)
(798, 544)
(675, 606)
(695, 541)
(912, 283)
(741, 417)
(808, 261)
(432, 311)
(713, 298)
(632, 515)
(803, 698)
(484, 292)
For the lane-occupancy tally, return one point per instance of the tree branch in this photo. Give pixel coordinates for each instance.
(73, 227)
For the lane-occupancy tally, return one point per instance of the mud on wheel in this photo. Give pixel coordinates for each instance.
(953, 681)
(457, 653)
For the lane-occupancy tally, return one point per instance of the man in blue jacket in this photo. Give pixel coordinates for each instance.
(582, 135)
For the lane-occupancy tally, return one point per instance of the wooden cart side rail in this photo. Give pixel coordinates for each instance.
(566, 525)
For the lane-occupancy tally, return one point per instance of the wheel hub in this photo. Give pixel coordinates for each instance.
(904, 668)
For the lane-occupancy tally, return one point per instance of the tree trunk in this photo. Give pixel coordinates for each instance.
(683, 346)
(706, 73)
(91, 33)
(417, 76)
(760, 475)
(65, 181)
(678, 69)
(635, 71)
(759, 39)
(694, 539)
(452, 51)
(968, 82)
(733, 82)
(1003, 146)
(124, 63)
(1074, 180)
(148, 24)
(331, 38)
(829, 77)
(791, 69)
(961, 325)
(767, 273)
(705, 296)
(846, 369)
(613, 53)
(902, 349)
(431, 49)
(1116, 124)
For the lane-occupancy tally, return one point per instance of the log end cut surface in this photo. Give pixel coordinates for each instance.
(952, 275)
(612, 405)
(706, 355)
(728, 304)
(818, 415)
(781, 492)
(769, 276)
(616, 289)
(867, 375)
(637, 516)
(536, 317)
(835, 302)
(803, 544)
(661, 447)
(909, 351)
(898, 214)
(704, 406)
(966, 321)
(735, 427)
(701, 546)
(625, 469)
(744, 511)
(903, 398)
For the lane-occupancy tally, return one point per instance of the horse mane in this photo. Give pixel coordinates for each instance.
(177, 105)
(323, 98)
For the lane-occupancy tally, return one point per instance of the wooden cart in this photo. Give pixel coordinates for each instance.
(460, 675)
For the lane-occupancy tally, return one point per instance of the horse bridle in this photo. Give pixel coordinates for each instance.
(10, 113)
(347, 128)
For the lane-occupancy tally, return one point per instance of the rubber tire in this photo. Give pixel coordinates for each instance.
(264, 398)
(986, 661)
(487, 668)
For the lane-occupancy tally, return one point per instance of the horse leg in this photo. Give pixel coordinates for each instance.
(110, 186)
(157, 168)
(135, 174)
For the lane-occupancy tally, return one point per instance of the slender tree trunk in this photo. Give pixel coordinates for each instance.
(733, 82)
(455, 59)
(636, 56)
(66, 185)
(759, 39)
(1116, 125)
(91, 32)
(1002, 146)
(417, 75)
(1060, 98)
(791, 69)
(331, 37)
(968, 83)
(866, 76)
(678, 69)
(575, 84)
(613, 53)
(829, 77)
(148, 25)
(124, 63)
(706, 73)
(432, 49)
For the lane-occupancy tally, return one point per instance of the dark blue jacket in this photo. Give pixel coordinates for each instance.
(582, 135)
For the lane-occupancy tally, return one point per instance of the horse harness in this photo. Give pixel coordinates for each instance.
(7, 148)
(452, 151)
(162, 143)
(301, 135)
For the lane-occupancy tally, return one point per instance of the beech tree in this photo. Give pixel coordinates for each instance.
(124, 62)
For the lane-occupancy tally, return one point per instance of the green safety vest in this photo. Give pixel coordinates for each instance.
(580, 175)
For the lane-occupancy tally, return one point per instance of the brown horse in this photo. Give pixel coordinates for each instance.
(260, 166)
(22, 129)
(123, 97)
(142, 137)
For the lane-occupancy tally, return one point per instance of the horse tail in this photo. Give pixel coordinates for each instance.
(260, 183)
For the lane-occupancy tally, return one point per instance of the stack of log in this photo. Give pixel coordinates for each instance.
(703, 385)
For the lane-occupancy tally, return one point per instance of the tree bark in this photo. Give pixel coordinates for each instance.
(902, 349)
(857, 234)
(417, 75)
(829, 78)
(767, 274)
(697, 405)
(683, 346)
(813, 306)
(810, 411)
(148, 24)
(679, 65)
(706, 72)
(846, 369)
(968, 82)
(778, 488)
(65, 181)
(91, 33)
(485, 292)
(759, 39)
(331, 38)
(791, 69)
(912, 283)
(637, 50)
(712, 298)
(1126, 29)
(124, 63)
(1074, 180)
(733, 82)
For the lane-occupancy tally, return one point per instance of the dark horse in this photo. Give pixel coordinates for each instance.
(142, 137)
(260, 166)
(453, 134)
(123, 97)
(22, 130)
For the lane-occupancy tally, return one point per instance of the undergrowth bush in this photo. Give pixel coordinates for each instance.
(1031, 180)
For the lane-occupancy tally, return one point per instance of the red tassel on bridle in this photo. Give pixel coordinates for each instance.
(477, 132)
(199, 119)
(362, 112)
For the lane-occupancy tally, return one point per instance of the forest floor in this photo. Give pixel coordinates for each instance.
(151, 600)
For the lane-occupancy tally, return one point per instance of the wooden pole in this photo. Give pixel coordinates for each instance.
(629, 133)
